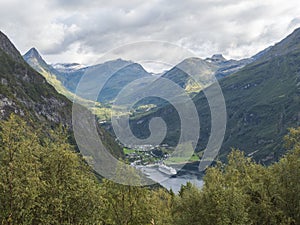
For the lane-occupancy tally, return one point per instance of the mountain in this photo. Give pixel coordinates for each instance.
(35, 60)
(206, 71)
(67, 75)
(217, 58)
(226, 67)
(121, 73)
(181, 74)
(262, 101)
(25, 92)
(70, 74)
(7, 47)
(286, 46)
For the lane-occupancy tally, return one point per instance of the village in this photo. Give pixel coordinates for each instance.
(142, 155)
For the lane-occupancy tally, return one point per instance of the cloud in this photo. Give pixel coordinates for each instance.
(81, 30)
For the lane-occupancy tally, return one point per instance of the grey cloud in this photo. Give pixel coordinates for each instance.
(295, 22)
(235, 28)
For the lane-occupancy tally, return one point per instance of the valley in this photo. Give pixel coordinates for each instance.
(47, 179)
(149, 112)
(256, 113)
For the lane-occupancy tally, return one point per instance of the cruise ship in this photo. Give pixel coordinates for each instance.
(167, 169)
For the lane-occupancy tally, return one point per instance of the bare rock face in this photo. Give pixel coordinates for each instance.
(25, 92)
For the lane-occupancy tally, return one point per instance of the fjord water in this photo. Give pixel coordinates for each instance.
(172, 182)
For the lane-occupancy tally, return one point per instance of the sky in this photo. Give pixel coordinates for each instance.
(82, 31)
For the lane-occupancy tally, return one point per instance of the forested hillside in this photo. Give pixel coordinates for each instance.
(43, 181)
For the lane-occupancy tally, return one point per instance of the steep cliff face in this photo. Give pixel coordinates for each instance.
(25, 92)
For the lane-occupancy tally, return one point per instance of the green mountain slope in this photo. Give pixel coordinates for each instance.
(262, 100)
(25, 92)
(34, 59)
(65, 78)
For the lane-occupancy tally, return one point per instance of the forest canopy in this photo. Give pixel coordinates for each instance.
(44, 181)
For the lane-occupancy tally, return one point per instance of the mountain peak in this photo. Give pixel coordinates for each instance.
(33, 50)
(32, 53)
(218, 57)
(9, 48)
(34, 57)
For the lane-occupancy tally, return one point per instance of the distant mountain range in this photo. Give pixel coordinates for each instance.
(262, 101)
(207, 70)
(35, 60)
(69, 74)
(261, 94)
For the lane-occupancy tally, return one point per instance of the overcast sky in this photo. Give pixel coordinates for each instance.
(83, 30)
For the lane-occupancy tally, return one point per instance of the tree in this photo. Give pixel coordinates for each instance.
(72, 193)
(287, 174)
(161, 202)
(125, 204)
(43, 181)
(20, 183)
(223, 201)
(187, 206)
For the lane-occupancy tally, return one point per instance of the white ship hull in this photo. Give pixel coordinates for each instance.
(167, 170)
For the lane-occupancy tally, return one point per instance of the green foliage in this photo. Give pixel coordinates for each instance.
(71, 193)
(20, 182)
(128, 151)
(187, 206)
(244, 192)
(287, 178)
(43, 181)
(125, 204)
(161, 205)
(134, 205)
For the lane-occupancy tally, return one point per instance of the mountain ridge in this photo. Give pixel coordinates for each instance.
(262, 102)
(9, 48)
(127, 72)
(25, 92)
